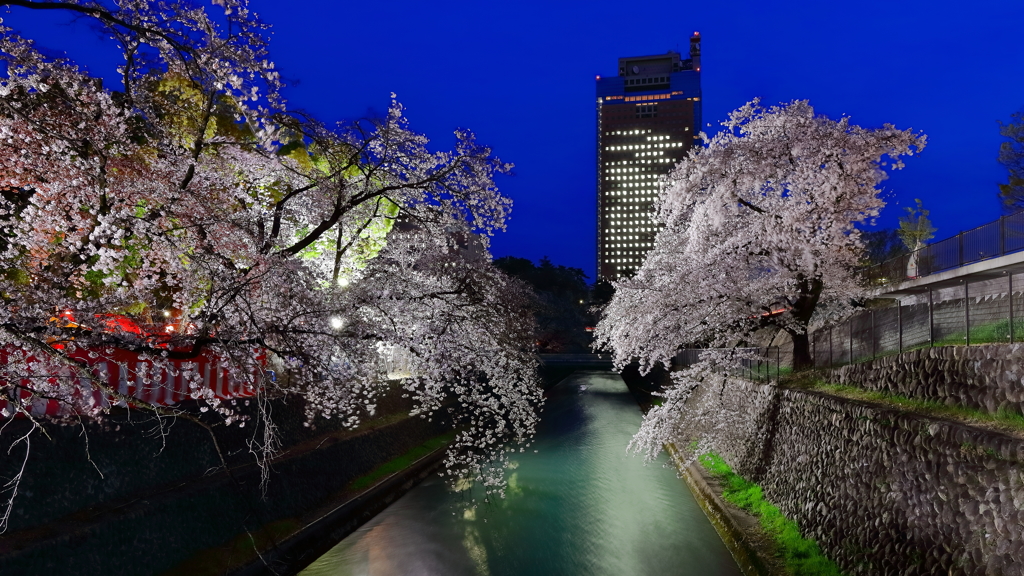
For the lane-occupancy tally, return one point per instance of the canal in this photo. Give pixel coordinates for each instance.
(577, 504)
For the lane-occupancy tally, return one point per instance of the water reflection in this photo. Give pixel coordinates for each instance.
(578, 505)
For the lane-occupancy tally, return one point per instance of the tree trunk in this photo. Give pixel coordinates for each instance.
(802, 352)
(802, 310)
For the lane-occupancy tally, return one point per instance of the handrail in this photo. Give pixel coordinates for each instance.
(993, 239)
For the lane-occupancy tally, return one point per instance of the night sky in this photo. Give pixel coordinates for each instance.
(521, 75)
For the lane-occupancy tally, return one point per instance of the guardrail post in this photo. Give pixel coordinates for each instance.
(873, 343)
(967, 315)
(1009, 281)
(960, 242)
(1002, 235)
(931, 319)
(899, 324)
(850, 321)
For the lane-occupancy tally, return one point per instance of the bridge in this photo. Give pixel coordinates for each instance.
(990, 251)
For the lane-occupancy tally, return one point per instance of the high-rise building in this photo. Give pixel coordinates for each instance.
(648, 117)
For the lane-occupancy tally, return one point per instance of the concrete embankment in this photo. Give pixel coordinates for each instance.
(171, 510)
(882, 490)
(724, 518)
(322, 529)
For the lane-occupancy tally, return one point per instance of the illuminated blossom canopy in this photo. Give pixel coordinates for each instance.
(190, 216)
(758, 230)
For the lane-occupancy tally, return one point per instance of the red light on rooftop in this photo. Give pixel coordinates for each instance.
(598, 76)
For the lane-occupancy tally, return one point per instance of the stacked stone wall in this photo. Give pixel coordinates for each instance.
(882, 491)
(988, 377)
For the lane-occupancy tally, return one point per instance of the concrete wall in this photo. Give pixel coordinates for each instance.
(882, 491)
(158, 530)
(161, 500)
(85, 465)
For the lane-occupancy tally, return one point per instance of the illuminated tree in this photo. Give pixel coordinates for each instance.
(758, 231)
(916, 228)
(191, 216)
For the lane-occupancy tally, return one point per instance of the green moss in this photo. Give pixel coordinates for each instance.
(19, 277)
(402, 462)
(95, 277)
(133, 309)
(802, 556)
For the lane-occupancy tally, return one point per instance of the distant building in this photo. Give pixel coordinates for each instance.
(648, 117)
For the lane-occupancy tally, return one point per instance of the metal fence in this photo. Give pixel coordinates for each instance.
(762, 367)
(1003, 236)
(992, 318)
(397, 363)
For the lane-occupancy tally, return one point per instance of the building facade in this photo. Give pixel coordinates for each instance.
(648, 117)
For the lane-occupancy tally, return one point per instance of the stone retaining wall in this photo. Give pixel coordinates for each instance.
(882, 491)
(988, 377)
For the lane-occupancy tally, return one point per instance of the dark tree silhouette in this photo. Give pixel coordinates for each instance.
(561, 305)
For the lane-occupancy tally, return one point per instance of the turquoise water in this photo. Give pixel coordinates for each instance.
(579, 505)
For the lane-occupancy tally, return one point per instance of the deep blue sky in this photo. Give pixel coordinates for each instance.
(521, 75)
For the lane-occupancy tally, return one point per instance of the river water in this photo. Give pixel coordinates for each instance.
(577, 504)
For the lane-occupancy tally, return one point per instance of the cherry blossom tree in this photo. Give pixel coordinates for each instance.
(191, 216)
(758, 230)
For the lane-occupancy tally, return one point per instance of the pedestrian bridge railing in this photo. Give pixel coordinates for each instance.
(998, 238)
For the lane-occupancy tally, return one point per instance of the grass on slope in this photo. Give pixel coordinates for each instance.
(1004, 418)
(401, 462)
(802, 556)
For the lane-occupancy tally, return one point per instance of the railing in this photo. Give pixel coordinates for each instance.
(161, 384)
(998, 238)
(992, 318)
(761, 368)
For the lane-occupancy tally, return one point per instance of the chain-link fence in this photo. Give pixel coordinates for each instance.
(992, 317)
(762, 365)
